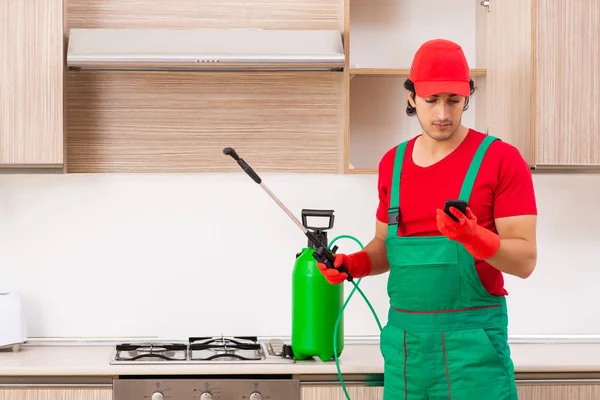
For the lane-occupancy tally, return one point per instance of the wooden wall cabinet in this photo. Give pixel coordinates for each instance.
(567, 83)
(31, 83)
(181, 121)
(536, 65)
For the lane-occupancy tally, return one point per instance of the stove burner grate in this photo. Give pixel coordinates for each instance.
(163, 351)
(244, 348)
(240, 343)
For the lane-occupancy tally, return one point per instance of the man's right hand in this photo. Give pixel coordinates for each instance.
(357, 264)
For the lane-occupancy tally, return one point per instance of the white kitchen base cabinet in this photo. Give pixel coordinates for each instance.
(31, 393)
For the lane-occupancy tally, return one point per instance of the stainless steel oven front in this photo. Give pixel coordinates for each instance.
(209, 388)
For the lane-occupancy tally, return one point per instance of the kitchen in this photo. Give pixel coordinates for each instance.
(122, 219)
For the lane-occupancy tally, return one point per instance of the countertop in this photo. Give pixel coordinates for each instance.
(93, 360)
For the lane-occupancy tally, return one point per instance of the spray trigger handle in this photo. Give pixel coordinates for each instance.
(325, 256)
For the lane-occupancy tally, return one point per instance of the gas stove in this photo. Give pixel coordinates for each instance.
(203, 350)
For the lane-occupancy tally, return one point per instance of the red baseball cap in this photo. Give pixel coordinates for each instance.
(440, 66)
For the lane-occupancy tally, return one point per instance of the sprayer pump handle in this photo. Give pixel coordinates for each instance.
(318, 213)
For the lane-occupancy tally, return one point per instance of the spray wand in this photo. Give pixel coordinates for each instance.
(321, 253)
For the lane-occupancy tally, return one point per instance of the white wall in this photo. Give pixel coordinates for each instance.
(156, 255)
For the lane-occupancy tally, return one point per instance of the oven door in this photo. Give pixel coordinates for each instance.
(197, 388)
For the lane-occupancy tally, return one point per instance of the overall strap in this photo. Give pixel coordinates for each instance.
(394, 209)
(469, 181)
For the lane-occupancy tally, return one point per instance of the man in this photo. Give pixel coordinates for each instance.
(446, 336)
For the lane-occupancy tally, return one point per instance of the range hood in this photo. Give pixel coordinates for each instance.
(205, 50)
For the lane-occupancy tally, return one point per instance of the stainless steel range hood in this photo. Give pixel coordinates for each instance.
(205, 50)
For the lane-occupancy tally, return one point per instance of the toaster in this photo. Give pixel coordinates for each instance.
(13, 327)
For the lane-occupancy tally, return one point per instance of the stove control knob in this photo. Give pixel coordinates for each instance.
(206, 396)
(255, 396)
(157, 396)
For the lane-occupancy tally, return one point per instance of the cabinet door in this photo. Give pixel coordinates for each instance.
(555, 391)
(337, 393)
(527, 391)
(31, 82)
(504, 48)
(567, 84)
(26, 393)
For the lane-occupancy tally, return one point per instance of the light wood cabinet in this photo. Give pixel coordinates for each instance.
(559, 391)
(171, 121)
(337, 393)
(30, 393)
(527, 391)
(31, 83)
(535, 63)
(567, 83)
(181, 121)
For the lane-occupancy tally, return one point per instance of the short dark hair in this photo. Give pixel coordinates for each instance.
(410, 86)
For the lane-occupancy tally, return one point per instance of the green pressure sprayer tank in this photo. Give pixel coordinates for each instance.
(316, 304)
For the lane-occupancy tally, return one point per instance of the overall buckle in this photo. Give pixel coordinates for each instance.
(393, 216)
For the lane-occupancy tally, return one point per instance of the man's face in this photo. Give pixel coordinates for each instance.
(439, 115)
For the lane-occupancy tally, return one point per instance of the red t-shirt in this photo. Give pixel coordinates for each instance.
(503, 188)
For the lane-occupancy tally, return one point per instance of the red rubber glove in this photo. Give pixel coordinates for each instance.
(477, 240)
(357, 264)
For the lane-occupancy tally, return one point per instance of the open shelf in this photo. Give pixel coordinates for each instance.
(387, 33)
(378, 119)
(384, 36)
(401, 72)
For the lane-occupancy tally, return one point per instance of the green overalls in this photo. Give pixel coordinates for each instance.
(446, 336)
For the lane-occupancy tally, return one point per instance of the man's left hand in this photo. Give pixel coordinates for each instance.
(479, 241)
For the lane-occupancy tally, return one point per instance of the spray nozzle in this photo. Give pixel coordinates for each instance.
(228, 151)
